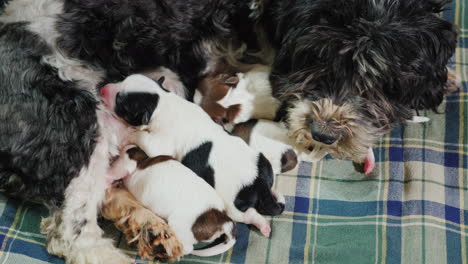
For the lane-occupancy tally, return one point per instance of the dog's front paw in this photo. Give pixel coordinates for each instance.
(154, 238)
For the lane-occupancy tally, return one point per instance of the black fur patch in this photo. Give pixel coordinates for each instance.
(125, 37)
(258, 195)
(136, 108)
(197, 161)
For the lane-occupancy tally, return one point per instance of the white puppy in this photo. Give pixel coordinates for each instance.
(170, 125)
(193, 209)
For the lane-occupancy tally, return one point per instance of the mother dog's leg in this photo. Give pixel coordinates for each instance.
(72, 231)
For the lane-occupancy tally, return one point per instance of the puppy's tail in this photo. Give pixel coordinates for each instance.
(218, 246)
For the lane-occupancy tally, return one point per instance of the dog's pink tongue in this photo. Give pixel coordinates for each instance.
(369, 163)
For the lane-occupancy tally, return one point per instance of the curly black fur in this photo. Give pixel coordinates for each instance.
(125, 37)
(386, 57)
(48, 126)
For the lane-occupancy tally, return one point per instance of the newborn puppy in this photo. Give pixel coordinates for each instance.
(193, 209)
(170, 125)
(265, 135)
(269, 138)
(231, 100)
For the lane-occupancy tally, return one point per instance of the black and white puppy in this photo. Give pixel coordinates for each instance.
(169, 125)
(192, 208)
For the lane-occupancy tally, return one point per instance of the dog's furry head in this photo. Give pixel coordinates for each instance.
(349, 70)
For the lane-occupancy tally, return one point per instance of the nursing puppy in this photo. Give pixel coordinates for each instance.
(169, 125)
(192, 208)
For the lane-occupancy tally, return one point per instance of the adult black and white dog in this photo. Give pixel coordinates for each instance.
(348, 71)
(55, 139)
(353, 69)
(241, 176)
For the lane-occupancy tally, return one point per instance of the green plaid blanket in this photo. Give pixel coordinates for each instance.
(413, 209)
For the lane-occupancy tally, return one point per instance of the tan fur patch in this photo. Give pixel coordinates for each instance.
(150, 233)
(355, 137)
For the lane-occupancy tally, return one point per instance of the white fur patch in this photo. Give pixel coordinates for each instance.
(159, 188)
(269, 137)
(419, 119)
(253, 92)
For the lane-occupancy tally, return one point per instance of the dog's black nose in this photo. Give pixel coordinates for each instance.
(322, 137)
(325, 139)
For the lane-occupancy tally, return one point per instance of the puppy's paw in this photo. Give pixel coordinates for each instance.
(154, 238)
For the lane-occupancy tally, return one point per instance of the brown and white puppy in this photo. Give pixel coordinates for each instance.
(237, 98)
(139, 224)
(193, 209)
(270, 138)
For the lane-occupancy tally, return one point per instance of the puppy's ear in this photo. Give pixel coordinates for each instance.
(136, 108)
(160, 81)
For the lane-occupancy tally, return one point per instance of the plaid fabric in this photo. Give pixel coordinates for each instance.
(414, 209)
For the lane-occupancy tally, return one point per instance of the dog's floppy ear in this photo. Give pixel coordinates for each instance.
(160, 81)
(136, 108)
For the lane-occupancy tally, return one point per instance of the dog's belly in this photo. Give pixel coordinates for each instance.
(48, 126)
